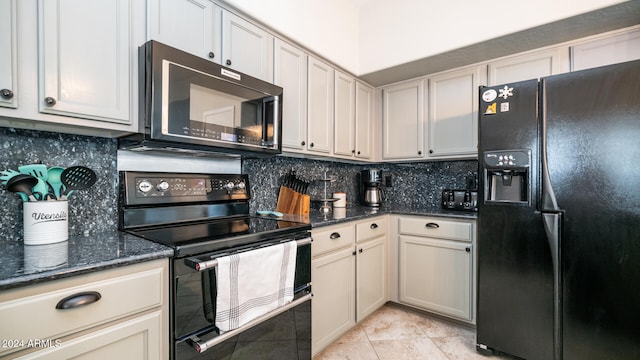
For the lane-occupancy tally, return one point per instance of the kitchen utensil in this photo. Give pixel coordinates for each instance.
(7, 174)
(76, 178)
(53, 178)
(40, 189)
(23, 183)
(37, 170)
(275, 214)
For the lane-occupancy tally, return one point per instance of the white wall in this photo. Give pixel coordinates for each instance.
(381, 34)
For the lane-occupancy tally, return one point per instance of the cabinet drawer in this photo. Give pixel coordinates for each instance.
(33, 314)
(371, 229)
(436, 228)
(332, 238)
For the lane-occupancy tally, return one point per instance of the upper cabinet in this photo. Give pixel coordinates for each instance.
(403, 121)
(365, 98)
(320, 106)
(197, 29)
(344, 114)
(453, 112)
(528, 66)
(246, 47)
(73, 65)
(606, 50)
(9, 54)
(85, 59)
(290, 73)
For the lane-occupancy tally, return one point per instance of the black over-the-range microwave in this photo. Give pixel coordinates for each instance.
(191, 104)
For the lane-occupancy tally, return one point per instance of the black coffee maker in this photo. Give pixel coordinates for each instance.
(371, 187)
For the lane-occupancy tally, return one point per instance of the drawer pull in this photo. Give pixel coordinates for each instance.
(373, 226)
(334, 236)
(432, 225)
(78, 300)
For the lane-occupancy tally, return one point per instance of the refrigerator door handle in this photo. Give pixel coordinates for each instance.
(552, 222)
(548, 201)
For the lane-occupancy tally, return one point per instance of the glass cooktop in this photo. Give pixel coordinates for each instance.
(195, 238)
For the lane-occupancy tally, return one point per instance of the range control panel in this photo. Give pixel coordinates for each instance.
(157, 188)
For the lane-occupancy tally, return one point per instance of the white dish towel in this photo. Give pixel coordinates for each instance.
(252, 283)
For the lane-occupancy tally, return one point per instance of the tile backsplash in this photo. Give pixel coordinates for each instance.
(91, 210)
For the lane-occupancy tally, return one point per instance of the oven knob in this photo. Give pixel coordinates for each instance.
(145, 186)
(162, 186)
(229, 186)
(240, 185)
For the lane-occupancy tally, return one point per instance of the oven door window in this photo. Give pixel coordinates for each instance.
(211, 109)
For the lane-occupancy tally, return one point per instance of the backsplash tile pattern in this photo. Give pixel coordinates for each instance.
(413, 184)
(90, 211)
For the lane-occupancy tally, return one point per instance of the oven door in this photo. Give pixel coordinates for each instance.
(284, 333)
(194, 101)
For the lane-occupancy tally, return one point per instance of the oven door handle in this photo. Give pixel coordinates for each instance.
(202, 346)
(199, 265)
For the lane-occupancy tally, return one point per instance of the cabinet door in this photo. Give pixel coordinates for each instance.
(290, 73)
(436, 275)
(344, 114)
(193, 26)
(364, 120)
(246, 47)
(320, 106)
(402, 120)
(8, 54)
(85, 59)
(453, 113)
(529, 66)
(606, 51)
(333, 305)
(371, 265)
(139, 338)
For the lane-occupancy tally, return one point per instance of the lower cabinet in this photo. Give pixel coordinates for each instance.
(436, 266)
(348, 272)
(115, 313)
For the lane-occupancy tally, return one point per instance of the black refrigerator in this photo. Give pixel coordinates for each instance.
(559, 216)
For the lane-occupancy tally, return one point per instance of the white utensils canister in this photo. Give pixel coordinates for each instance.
(45, 222)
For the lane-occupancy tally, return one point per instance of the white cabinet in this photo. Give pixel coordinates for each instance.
(344, 114)
(436, 266)
(348, 272)
(77, 66)
(453, 112)
(8, 54)
(85, 59)
(365, 102)
(290, 73)
(121, 311)
(528, 66)
(320, 106)
(246, 47)
(403, 121)
(371, 265)
(606, 50)
(333, 278)
(194, 26)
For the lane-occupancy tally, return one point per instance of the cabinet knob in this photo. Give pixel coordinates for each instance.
(311, 144)
(430, 151)
(353, 151)
(419, 152)
(211, 55)
(432, 225)
(6, 94)
(303, 143)
(228, 62)
(49, 101)
(360, 251)
(358, 152)
(334, 236)
(373, 226)
(467, 249)
(353, 253)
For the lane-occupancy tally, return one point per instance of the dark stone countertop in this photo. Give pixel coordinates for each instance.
(29, 264)
(352, 213)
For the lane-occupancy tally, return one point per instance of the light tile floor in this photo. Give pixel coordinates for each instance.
(397, 333)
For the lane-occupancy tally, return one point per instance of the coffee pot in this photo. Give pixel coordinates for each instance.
(371, 187)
